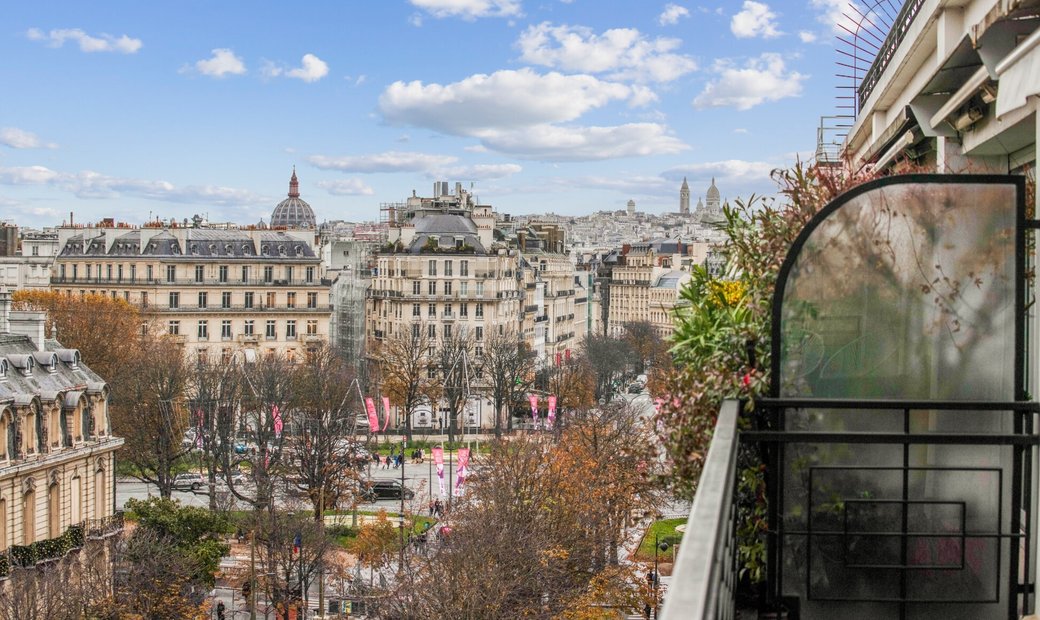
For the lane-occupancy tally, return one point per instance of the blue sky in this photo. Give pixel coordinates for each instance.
(125, 109)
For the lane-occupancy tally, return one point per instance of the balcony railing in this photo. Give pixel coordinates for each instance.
(704, 579)
(888, 49)
(51, 549)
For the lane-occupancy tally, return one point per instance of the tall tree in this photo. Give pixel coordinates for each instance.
(292, 549)
(405, 369)
(572, 383)
(607, 358)
(455, 363)
(508, 368)
(214, 395)
(648, 348)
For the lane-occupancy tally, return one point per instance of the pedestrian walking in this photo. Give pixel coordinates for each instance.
(220, 610)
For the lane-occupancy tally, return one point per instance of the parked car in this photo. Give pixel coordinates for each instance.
(190, 481)
(385, 489)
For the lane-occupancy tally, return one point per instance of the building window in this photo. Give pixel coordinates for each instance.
(268, 274)
(431, 372)
(108, 272)
(119, 273)
(290, 300)
(480, 310)
(203, 300)
(312, 328)
(415, 310)
(447, 267)
(150, 273)
(203, 330)
(175, 301)
(463, 288)
(447, 330)
(203, 356)
(464, 268)
(431, 310)
(245, 273)
(463, 309)
(248, 300)
(174, 328)
(126, 295)
(225, 329)
(35, 250)
(480, 333)
(270, 332)
(198, 273)
(133, 273)
(225, 299)
(447, 288)
(290, 329)
(415, 286)
(62, 268)
(431, 331)
(248, 329)
(432, 268)
(144, 300)
(171, 273)
(288, 274)
(222, 272)
(270, 300)
(312, 300)
(480, 289)
(415, 330)
(432, 287)
(309, 274)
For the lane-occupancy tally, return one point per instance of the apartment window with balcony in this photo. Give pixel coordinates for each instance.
(74, 271)
(431, 310)
(312, 328)
(447, 288)
(447, 309)
(198, 273)
(248, 302)
(431, 287)
(175, 301)
(150, 272)
(288, 274)
(464, 268)
(222, 273)
(225, 299)
(416, 310)
(108, 272)
(119, 273)
(98, 275)
(415, 288)
(463, 288)
(290, 300)
(415, 330)
(203, 332)
(463, 309)
(203, 300)
(480, 333)
(248, 328)
(447, 331)
(225, 330)
(432, 268)
(62, 270)
(480, 310)
(290, 329)
(270, 300)
(133, 273)
(245, 273)
(431, 331)
(174, 328)
(88, 271)
(447, 267)
(312, 300)
(309, 274)
(268, 274)
(271, 332)
(171, 273)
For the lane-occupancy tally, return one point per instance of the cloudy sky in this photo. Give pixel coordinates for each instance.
(125, 109)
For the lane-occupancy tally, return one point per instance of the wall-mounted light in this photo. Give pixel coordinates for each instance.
(967, 119)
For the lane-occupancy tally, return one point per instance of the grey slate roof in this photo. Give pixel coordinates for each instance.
(61, 376)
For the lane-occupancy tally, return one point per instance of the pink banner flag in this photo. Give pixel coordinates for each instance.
(462, 470)
(373, 419)
(534, 408)
(386, 411)
(551, 419)
(438, 460)
(276, 415)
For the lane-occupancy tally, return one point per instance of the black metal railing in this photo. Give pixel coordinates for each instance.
(105, 526)
(888, 49)
(50, 549)
(704, 579)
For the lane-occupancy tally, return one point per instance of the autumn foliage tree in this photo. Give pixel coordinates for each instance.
(508, 367)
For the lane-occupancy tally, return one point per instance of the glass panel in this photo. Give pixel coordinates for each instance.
(905, 292)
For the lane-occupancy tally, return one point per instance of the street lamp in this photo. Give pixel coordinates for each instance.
(658, 546)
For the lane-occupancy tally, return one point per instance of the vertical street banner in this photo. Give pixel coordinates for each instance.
(438, 460)
(276, 415)
(373, 419)
(462, 471)
(386, 412)
(534, 409)
(550, 421)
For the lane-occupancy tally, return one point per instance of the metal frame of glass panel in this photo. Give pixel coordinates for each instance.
(771, 433)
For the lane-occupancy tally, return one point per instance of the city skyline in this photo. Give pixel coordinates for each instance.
(552, 106)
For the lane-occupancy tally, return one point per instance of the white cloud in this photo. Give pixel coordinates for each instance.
(731, 169)
(87, 43)
(21, 139)
(740, 130)
(806, 37)
(832, 13)
(671, 14)
(622, 53)
(503, 100)
(761, 79)
(478, 172)
(223, 62)
(754, 20)
(346, 187)
(390, 161)
(469, 9)
(311, 69)
(556, 143)
(90, 184)
(475, 148)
